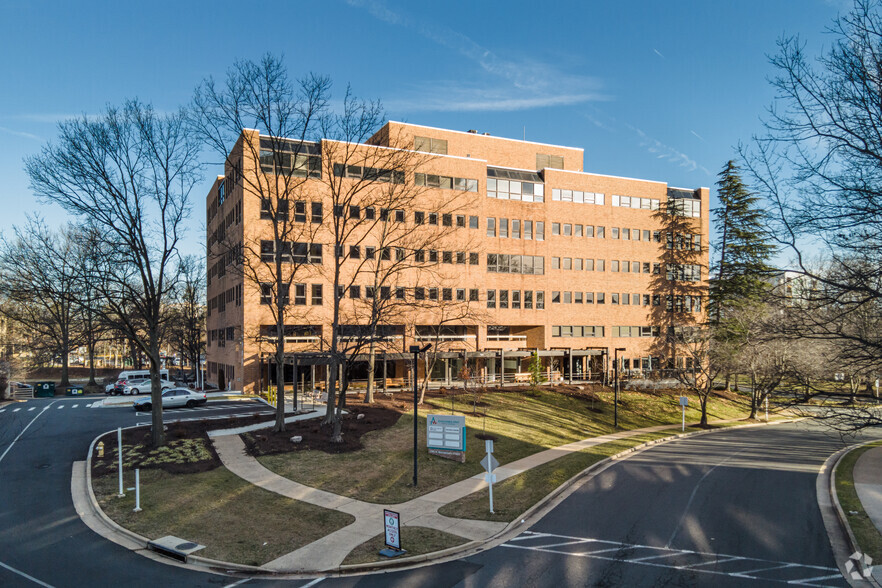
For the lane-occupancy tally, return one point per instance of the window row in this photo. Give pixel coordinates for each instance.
(267, 294)
(636, 331)
(685, 207)
(515, 299)
(576, 230)
(447, 220)
(371, 174)
(576, 331)
(502, 263)
(419, 255)
(299, 165)
(683, 272)
(515, 190)
(291, 252)
(370, 213)
(515, 229)
(220, 336)
(577, 196)
(283, 208)
(356, 292)
(230, 296)
(445, 182)
(683, 241)
(635, 202)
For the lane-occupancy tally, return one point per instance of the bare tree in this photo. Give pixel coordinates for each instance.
(128, 176)
(271, 165)
(187, 331)
(704, 357)
(39, 277)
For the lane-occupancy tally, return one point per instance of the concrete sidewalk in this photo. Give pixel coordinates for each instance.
(868, 483)
(329, 552)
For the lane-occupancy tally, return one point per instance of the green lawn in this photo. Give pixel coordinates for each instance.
(237, 522)
(522, 423)
(868, 538)
(415, 540)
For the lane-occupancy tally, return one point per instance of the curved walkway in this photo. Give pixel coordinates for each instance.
(330, 551)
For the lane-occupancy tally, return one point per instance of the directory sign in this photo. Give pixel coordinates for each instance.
(446, 436)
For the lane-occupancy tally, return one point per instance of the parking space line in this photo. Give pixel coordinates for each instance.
(60, 406)
(24, 575)
(16, 409)
(32, 408)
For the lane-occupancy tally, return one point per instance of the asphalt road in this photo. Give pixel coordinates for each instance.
(735, 508)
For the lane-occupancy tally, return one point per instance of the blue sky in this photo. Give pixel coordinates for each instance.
(654, 90)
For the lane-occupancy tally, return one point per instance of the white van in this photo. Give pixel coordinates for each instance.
(131, 374)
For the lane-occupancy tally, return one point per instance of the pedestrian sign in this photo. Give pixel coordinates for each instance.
(392, 534)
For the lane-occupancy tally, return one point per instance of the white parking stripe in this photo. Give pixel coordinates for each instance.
(32, 408)
(2, 410)
(60, 406)
(16, 409)
(75, 405)
(24, 575)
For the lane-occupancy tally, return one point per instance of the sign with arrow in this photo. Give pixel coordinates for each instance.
(490, 464)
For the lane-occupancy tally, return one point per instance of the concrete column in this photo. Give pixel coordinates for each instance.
(385, 365)
(446, 372)
(570, 360)
(502, 366)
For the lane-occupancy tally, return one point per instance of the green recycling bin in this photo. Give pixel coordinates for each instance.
(74, 391)
(44, 389)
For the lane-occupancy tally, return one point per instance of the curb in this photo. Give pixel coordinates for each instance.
(837, 507)
(536, 511)
(533, 513)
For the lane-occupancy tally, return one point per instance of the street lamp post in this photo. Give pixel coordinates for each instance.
(416, 350)
(616, 389)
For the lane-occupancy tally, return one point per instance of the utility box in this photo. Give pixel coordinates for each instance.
(74, 391)
(44, 389)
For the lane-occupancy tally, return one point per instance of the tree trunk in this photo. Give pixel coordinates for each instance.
(372, 361)
(65, 361)
(280, 385)
(702, 400)
(157, 432)
(753, 398)
(91, 348)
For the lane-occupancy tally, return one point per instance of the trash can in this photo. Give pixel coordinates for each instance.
(74, 390)
(44, 389)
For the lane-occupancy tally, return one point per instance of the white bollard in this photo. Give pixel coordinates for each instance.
(137, 490)
(119, 451)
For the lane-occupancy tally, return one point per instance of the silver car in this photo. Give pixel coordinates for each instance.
(136, 386)
(173, 398)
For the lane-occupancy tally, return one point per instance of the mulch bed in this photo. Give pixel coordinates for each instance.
(318, 437)
(174, 432)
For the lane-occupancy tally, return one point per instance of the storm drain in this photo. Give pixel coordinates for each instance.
(174, 547)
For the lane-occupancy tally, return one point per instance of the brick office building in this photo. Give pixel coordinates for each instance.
(546, 257)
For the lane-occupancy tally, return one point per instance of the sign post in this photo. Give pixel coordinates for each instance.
(446, 436)
(392, 534)
(490, 464)
(684, 402)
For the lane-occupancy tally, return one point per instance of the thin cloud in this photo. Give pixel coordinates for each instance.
(538, 84)
(699, 136)
(20, 134)
(667, 153)
(657, 52)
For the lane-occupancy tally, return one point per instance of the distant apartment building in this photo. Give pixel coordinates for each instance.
(540, 256)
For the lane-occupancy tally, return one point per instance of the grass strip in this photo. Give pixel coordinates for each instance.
(512, 497)
(416, 540)
(865, 532)
(520, 423)
(236, 521)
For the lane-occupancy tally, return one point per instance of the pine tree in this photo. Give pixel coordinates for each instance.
(742, 248)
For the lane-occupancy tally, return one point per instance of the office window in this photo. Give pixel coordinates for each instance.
(626, 234)
(626, 266)
(567, 263)
(528, 229)
(589, 297)
(503, 227)
(399, 216)
(385, 292)
(491, 227)
(400, 293)
(419, 217)
(656, 236)
(589, 265)
(646, 300)
(369, 292)
(540, 300)
(540, 231)
(447, 257)
(635, 267)
(568, 297)
(635, 299)
(446, 294)
(460, 221)
(369, 252)
(473, 222)
(555, 228)
(355, 291)
(515, 229)
(430, 145)
(600, 297)
(503, 299)
(577, 230)
(555, 263)
(516, 299)
(626, 299)
(614, 265)
(370, 213)
(528, 299)
(473, 258)
(460, 294)
(555, 297)
(266, 293)
(577, 264)
(614, 232)
(600, 232)
(447, 220)
(614, 298)
(600, 264)
(354, 211)
(354, 252)
(568, 230)
(419, 293)
(589, 231)
(473, 294)
(433, 293)
(460, 257)
(433, 256)
(491, 298)
(433, 218)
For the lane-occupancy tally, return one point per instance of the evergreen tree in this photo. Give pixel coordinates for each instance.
(742, 250)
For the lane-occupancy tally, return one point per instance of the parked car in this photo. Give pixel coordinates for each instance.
(22, 387)
(139, 385)
(116, 386)
(173, 398)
